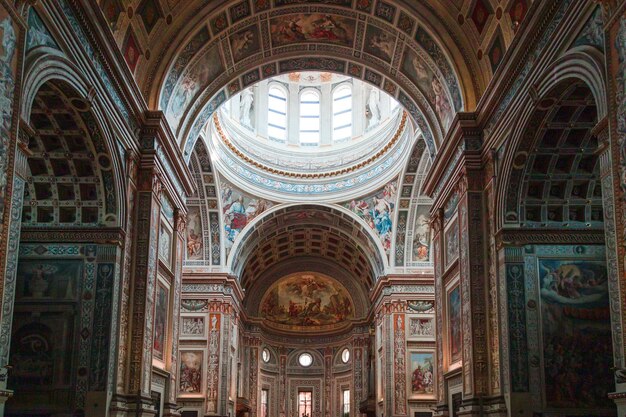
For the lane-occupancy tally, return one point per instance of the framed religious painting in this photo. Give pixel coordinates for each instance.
(453, 313)
(166, 244)
(190, 373)
(451, 242)
(161, 313)
(421, 373)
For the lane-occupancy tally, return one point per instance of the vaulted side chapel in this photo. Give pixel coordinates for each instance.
(312, 208)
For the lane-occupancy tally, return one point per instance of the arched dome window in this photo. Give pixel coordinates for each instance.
(277, 113)
(310, 118)
(342, 112)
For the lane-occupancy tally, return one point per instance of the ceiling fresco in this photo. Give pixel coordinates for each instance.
(298, 230)
(307, 301)
(434, 57)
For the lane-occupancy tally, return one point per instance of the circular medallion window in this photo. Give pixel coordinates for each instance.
(265, 355)
(345, 355)
(305, 360)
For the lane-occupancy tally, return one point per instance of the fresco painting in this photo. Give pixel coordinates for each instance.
(201, 73)
(53, 279)
(245, 43)
(190, 376)
(380, 43)
(577, 347)
(306, 300)
(377, 210)
(239, 209)
(194, 234)
(323, 28)
(160, 322)
(454, 324)
(425, 79)
(422, 373)
(165, 244)
(452, 242)
(421, 235)
(8, 70)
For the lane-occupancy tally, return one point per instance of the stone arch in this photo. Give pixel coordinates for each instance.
(238, 70)
(48, 68)
(582, 64)
(337, 220)
(68, 144)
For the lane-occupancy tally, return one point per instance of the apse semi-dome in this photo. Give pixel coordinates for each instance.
(325, 136)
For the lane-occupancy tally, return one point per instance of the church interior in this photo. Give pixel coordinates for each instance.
(312, 208)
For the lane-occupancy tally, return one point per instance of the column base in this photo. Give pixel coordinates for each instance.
(132, 406)
(619, 398)
(484, 406)
(171, 410)
(5, 394)
(441, 410)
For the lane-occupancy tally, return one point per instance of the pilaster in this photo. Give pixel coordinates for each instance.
(143, 284)
(20, 175)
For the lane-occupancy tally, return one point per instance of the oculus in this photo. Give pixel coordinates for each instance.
(345, 355)
(265, 355)
(305, 360)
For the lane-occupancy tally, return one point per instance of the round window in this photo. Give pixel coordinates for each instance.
(305, 359)
(345, 355)
(265, 355)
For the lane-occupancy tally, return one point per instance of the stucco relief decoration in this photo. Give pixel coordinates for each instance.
(191, 305)
(307, 301)
(312, 28)
(238, 210)
(192, 326)
(618, 73)
(213, 362)
(420, 306)
(378, 210)
(421, 327)
(399, 349)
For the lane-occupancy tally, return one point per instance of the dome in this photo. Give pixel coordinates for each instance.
(313, 134)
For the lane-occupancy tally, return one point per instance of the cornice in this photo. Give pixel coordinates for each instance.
(96, 29)
(227, 280)
(538, 17)
(521, 237)
(106, 236)
(427, 279)
(155, 125)
(465, 136)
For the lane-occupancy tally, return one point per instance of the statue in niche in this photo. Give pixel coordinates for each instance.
(246, 102)
(373, 109)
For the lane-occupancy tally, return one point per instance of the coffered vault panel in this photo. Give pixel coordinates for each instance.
(71, 182)
(556, 170)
